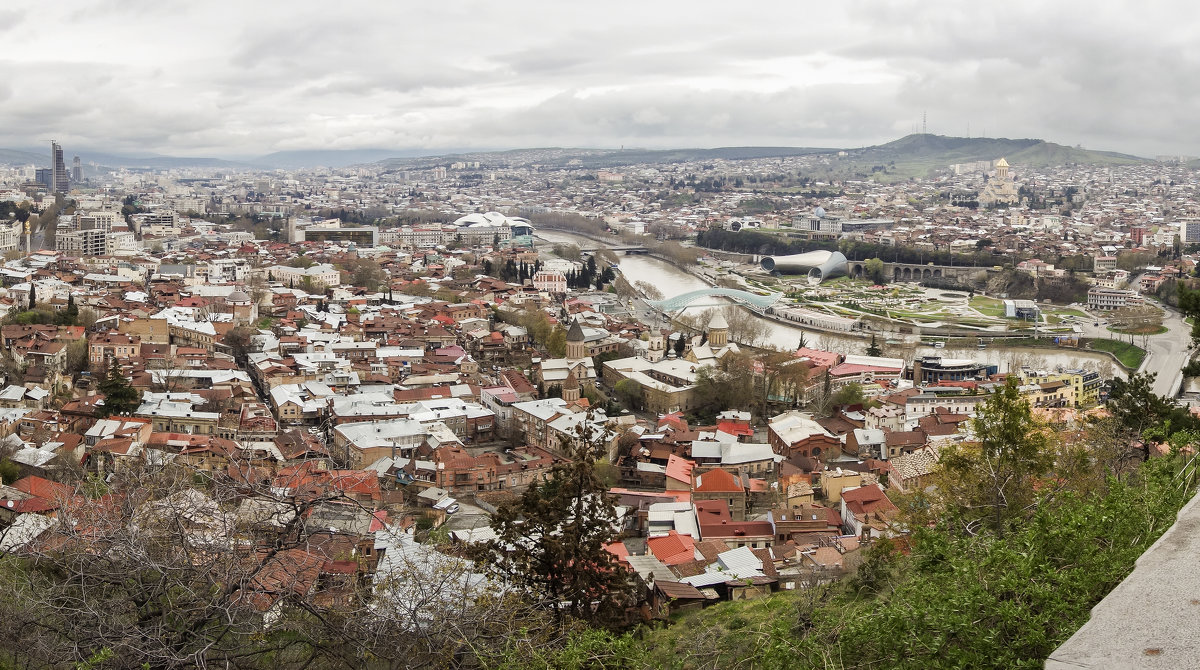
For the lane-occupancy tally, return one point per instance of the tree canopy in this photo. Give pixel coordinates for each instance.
(120, 398)
(958, 589)
(550, 542)
(992, 481)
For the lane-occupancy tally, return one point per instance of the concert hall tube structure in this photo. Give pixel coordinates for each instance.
(818, 265)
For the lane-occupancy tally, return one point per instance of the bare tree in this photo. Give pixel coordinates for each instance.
(154, 572)
(649, 290)
(168, 376)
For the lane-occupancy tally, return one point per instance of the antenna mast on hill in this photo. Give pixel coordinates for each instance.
(923, 131)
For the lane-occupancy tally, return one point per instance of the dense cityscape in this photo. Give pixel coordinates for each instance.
(446, 410)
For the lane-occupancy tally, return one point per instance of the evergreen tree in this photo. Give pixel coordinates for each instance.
(550, 542)
(874, 349)
(120, 398)
(32, 295)
(994, 481)
(680, 345)
(1134, 404)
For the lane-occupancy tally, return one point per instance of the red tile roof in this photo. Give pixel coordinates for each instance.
(867, 499)
(738, 428)
(680, 469)
(672, 548)
(857, 368)
(43, 488)
(712, 511)
(717, 481)
(737, 529)
(617, 549)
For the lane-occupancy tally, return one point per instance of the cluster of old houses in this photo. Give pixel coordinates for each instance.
(408, 402)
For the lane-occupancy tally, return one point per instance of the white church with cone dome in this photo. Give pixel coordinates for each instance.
(1000, 189)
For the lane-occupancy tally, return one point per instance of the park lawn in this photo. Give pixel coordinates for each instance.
(1129, 355)
(1139, 330)
(987, 306)
(897, 314)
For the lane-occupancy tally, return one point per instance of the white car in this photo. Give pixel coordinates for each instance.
(452, 509)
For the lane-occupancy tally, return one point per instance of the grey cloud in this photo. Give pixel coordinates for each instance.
(108, 9)
(670, 116)
(244, 78)
(11, 19)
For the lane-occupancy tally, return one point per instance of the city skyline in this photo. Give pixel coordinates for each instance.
(144, 78)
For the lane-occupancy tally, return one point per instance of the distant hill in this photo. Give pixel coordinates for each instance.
(330, 158)
(42, 159)
(636, 156)
(921, 154)
(592, 159)
(912, 156)
(1048, 153)
(152, 162)
(22, 157)
(946, 149)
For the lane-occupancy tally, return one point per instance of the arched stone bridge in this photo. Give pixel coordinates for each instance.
(901, 272)
(682, 300)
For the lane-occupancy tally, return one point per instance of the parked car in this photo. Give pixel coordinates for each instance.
(452, 509)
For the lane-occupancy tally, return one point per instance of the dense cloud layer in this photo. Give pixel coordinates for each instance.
(238, 79)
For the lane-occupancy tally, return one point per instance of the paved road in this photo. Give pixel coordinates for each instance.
(1166, 353)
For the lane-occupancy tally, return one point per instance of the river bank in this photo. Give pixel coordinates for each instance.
(672, 280)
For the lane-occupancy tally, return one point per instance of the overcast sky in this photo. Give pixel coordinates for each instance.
(220, 78)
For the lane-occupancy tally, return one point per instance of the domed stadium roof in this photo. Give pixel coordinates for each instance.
(489, 219)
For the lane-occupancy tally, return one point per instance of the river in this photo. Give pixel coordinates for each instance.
(672, 281)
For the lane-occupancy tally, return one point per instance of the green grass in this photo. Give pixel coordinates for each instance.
(1023, 342)
(1155, 330)
(987, 306)
(952, 601)
(1127, 354)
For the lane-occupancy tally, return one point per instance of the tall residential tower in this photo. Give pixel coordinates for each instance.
(60, 181)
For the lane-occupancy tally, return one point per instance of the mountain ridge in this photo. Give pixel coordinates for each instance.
(911, 155)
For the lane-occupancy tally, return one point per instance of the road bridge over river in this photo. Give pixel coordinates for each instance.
(752, 300)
